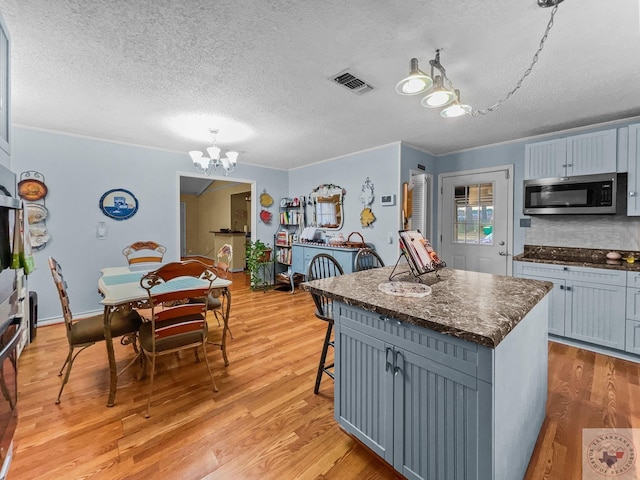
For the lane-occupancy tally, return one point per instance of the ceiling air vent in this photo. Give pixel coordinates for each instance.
(352, 82)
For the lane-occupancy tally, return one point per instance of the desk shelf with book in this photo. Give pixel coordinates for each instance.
(291, 221)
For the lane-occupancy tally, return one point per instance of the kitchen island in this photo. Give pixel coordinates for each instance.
(452, 385)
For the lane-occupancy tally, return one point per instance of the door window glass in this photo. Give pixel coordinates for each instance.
(474, 214)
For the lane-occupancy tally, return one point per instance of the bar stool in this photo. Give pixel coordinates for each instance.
(324, 266)
(366, 259)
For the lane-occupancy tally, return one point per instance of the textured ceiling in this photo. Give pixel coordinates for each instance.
(160, 73)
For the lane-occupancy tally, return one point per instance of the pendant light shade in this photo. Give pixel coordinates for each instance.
(417, 81)
(439, 97)
(456, 109)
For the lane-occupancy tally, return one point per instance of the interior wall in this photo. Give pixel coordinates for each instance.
(382, 166)
(239, 212)
(215, 211)
(77, 172)
(192, 224)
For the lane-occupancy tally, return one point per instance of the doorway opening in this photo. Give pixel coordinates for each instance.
(215, 211)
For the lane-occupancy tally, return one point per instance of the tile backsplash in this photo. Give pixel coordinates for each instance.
(612, 232)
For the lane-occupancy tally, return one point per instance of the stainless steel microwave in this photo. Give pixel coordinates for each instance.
(586, 194)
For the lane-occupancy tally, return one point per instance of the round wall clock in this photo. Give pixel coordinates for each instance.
(119, 204)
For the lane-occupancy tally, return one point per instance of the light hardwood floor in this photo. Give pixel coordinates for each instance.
(265, 422)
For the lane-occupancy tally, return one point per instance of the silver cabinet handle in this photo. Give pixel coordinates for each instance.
(399, 358)
(387, 365)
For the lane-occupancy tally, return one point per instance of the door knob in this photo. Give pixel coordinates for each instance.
(503, 253)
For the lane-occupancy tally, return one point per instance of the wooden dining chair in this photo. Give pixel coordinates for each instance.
(144, 252)
(176, 322)
(84, 332)
(366, 259)
(324, 266)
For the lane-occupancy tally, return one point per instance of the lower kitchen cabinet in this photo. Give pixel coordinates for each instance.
(588, 304)
(427, 403)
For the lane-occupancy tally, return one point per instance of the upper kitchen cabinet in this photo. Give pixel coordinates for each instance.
(633, 185)
(4, 87)
(584, 154)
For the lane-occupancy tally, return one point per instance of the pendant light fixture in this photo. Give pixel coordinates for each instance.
(443, 92)
(439, 96)
(208, 164)
(456, 109)
(417, 81)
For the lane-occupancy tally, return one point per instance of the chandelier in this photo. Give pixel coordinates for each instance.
(441, 95)
(208, 164)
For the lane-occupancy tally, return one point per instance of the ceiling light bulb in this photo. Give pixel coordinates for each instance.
(439, 97)
(456, 109)
(417, 81)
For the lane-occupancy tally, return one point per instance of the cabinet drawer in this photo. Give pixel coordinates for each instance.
(461, 355)
(582, 274)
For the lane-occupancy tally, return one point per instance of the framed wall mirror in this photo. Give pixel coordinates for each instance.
(326, 201)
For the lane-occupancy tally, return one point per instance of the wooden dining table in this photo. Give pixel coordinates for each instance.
(122, 292)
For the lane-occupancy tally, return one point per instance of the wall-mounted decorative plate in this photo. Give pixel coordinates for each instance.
(36, 212)
(265, 216)
(32, 190)
(119, 204)
(266, 200)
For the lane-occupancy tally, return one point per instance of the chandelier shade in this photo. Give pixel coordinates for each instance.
(209, 164)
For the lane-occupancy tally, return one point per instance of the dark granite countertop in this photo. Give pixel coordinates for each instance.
(477, 307)
(578, 257)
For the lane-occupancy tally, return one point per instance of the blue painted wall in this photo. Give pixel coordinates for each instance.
(382, 166)
(77, 172)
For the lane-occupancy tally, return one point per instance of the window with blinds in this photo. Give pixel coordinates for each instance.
(474, 214)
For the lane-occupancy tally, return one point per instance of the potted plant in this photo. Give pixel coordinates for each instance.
(257, 253)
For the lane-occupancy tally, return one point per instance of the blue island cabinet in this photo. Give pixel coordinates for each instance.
(438, 407)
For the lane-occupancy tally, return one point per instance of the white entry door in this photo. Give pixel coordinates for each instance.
(475, 225)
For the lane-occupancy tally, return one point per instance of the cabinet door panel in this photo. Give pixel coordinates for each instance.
(364, 389)
(557, 305)
(633, 187)
(633, 304)
(545, 159)
(436, 421)
(595, 313)
(632, 339)
(592, 153)
(345, 259)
